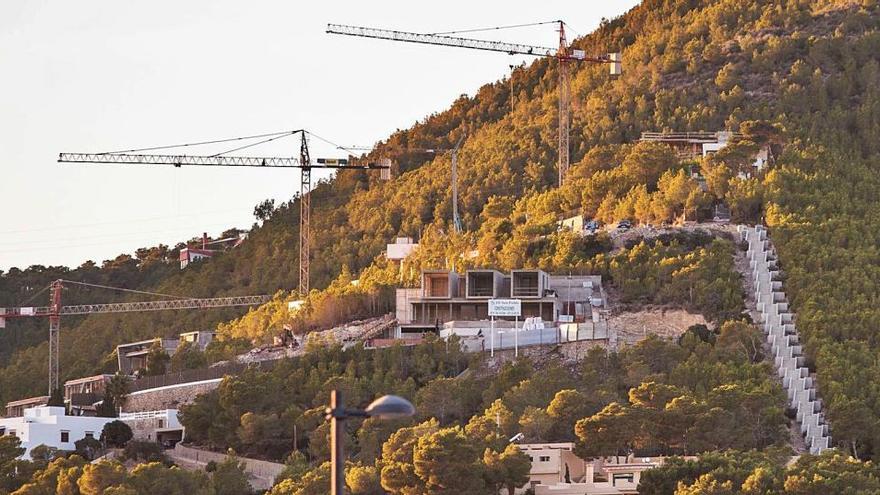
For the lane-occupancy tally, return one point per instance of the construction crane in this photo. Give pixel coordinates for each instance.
(55, 310)
(564, 54)
(304, 163)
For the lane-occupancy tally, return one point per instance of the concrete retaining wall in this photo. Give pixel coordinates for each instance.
(170, 397)
(262, 473)
(780, 328)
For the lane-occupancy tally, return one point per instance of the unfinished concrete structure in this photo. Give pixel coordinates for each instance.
(199, 338)
(82, 394)
(691, 145)
(448, 298)
(133, 356)
(485, 284)
(440, 284)
(779, 327)
(529, 284)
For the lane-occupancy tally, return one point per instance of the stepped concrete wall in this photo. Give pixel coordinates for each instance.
(780, 329)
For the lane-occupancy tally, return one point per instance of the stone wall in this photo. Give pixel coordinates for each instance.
(632, 326)
(170, 397)
(262, 474)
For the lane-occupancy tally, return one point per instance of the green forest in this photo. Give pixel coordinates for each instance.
(799, 76)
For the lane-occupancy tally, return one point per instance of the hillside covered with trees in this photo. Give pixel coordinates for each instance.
(800, 76)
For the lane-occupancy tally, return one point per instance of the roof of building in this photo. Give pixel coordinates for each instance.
(144, 342)
(29, 400)
(629, 467)
(197, 332)
(94, 378)
(547, 446)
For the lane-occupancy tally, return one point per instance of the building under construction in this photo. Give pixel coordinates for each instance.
(447, 296)
(692, 145)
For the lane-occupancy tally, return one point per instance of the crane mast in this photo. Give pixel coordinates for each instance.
(564, 55)
(55, 337)
(305, 212)
(456, 220)
(564, 106)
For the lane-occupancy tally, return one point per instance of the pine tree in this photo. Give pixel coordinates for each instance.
(107, 408)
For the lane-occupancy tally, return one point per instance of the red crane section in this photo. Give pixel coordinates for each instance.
(55, 310)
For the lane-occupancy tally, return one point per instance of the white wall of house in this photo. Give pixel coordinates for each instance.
(49, 426)
(402, 247)
(45, 425)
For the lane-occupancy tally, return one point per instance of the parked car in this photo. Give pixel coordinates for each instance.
(624, 225)
(592, 226)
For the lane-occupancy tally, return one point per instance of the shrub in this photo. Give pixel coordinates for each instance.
(116, 434)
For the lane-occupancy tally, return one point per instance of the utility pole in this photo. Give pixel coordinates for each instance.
(511, 88)
(337, 415)
(385, 407)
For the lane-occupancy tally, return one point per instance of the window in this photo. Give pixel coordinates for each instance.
(627, 477)
(544, 458)
(161, 423)
(90, 434)
(65, 436)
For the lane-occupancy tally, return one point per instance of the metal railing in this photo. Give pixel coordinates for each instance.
(144, 415)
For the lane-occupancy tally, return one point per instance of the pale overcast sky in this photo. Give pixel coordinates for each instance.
(99, 75)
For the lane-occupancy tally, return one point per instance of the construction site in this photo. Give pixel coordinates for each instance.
(591, 275)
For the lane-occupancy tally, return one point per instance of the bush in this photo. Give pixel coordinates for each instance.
(143, 452)
(116, 434)
(43, 453)
(89, 448)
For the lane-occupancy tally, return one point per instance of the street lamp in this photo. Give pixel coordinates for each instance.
(385, 407)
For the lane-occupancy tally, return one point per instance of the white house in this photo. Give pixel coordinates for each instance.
(46, 425)
(49, 426)
(402, 247)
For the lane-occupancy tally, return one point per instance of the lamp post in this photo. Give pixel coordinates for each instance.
(385, 407)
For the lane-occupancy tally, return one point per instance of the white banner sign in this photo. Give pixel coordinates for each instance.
(2, 322)
(566, 318)
(27, 311)
(505, 307)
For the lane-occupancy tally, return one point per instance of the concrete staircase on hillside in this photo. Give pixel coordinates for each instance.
(779, 327)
